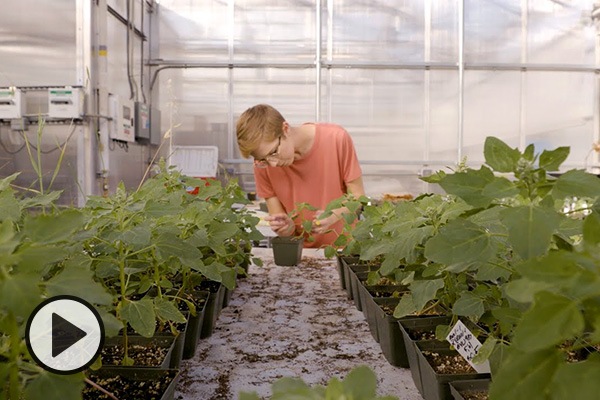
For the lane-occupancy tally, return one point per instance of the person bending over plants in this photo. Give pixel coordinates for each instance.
(313, 163)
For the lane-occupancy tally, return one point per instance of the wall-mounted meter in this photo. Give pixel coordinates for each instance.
(122, 113)
(65, 102)
(12, 103)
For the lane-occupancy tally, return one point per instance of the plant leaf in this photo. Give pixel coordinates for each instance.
(140, 315)
(166, 310)
(468, 305)
(460, 241)
(499, 155)
(550, 160)
(552, 320)
(530, 229)
(78, 282)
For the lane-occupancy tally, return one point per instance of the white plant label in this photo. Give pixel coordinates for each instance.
(467, 346)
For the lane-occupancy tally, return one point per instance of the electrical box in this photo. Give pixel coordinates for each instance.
(65, 102)
(12, 103)
(155, 133)
(142, 121)
(122, 113)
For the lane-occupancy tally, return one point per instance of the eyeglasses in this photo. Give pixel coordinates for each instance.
(273, 156)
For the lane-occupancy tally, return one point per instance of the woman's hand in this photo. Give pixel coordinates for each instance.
(323, 225)
(281, 224)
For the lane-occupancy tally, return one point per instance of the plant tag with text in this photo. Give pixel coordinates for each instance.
(467, 346)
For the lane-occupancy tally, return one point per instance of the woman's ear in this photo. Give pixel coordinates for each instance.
(285, 127)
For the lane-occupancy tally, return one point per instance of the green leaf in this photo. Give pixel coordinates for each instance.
(48, 386)
(44, 200)
(34, 259)
(485, 351)
(370, 250)
(257, 261)
(591, 230)
(577, 380)
(469, 186)
(460, 241)
(425, 290)
(220, 232)
(576, 183)
(507, 318)
(166, 310)
(468, 305)
(405, 307)
(46, 229)
(138, 237)
(499, 155)
(140, 315)
(360, 383)
(530, 229)
(523, 290)
(552, 320)
(248, 396)
(330, 252)
(434, 178)
(20, 294)
(228, 278)
(112, 326)
(157, 209)
(550, 160)
(555, 268)
(528, 154)
(500, 188)
(10, 210)
(525, 376)
(5, 182)
(168, 245)
(78, 282)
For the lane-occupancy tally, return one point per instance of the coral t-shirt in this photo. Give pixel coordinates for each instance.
(317, 178)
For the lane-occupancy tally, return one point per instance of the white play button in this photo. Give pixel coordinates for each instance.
(64, 334)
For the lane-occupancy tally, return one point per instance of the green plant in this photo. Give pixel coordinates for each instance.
(359, 384)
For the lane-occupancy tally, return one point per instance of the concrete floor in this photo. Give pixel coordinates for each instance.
(287, 321)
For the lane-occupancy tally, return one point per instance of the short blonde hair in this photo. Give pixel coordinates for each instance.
(261, 122)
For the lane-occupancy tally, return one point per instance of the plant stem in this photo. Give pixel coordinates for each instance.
(122, 301)
(106, 392)
(15, 345)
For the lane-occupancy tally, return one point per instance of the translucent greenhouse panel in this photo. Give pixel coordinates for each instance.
(198, 100)
(383, 110)
(392, 179)
(38, 43)
(444, 30)
(194, 30)
(560, 32)
(492, 107)
(560, 111)
(382, 31)
(274, 30)
(493, 31)
(443, 106)
(290, 91)
(118, 81)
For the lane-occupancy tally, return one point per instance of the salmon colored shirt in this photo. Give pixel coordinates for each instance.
(317, 178)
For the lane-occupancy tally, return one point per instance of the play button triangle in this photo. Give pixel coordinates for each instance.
(64, 334)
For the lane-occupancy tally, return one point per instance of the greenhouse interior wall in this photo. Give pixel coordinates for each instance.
(419, 85)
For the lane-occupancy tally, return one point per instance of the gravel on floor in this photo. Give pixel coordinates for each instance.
(287, 321)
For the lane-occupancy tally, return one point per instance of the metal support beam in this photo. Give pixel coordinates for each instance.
(461, 76)
(318, 65)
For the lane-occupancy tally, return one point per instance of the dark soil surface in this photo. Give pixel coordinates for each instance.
(147, 356)
(475, 395)
(448, 364)
(124, 388)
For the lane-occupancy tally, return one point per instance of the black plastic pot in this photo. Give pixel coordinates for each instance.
(436, 386)
(390, 336)
(346, 261)
(160, 341)
(195, 322)
(340, 268)
(355, 280)
(145, 375)
(213, 308)
(287, 251)
(476, 385)
(418, 324)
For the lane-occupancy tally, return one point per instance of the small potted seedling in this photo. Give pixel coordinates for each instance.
(287, 250)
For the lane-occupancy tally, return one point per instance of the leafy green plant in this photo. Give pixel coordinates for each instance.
(359, 384)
